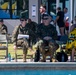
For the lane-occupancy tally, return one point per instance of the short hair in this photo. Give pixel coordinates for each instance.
(59, 8)
(44, 6)
(66, 8)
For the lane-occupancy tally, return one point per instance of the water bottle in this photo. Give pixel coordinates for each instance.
(62, 58)
(9, 57)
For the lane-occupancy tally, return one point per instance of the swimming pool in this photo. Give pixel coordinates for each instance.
(68, 68)
(38, 72)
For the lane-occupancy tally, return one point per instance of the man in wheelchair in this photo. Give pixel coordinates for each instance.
(46, 35)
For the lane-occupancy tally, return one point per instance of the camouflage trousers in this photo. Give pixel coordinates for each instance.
(24, 44)
(47, 48)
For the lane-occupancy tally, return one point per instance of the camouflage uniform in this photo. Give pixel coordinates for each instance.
(3, 29)
(43, 31)
(49, 30)
(23, 42)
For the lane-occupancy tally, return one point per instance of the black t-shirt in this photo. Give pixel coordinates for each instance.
(61, 17)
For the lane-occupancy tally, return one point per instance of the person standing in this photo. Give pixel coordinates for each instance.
(60, 21)
(66, 20)
(42, 11)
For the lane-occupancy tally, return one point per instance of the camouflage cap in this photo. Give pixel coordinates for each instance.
(23, 18)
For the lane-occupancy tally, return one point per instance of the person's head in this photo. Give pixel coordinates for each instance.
(23, 21)
(46, 19)
(42, 9)
(59, 9)
(65, 10)
(1, 21)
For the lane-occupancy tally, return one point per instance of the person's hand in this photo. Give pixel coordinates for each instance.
(14, 47)
(47, 38)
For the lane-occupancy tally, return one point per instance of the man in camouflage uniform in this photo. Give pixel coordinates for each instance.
(23, 28)
(47, 35)
(3, 28)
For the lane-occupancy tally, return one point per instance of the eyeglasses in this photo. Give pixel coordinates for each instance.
(23, 19)
(45, 18)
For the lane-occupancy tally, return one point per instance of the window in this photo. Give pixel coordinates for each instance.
(12, 9)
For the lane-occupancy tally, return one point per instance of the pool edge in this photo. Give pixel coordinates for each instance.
(38, 65)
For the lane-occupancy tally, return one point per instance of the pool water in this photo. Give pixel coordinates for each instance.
(37, 72)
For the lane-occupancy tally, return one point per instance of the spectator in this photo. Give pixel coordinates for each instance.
(22, 29)
(60, 20)
(46, 34)
(66, 19)
(71, 43)
(3, 27)
(42, 11)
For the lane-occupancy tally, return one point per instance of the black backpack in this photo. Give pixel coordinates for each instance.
(62, 56)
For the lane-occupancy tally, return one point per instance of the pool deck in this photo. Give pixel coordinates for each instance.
(38, 65)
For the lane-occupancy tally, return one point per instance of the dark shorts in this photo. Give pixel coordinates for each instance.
(67, 28)
(61, 24)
